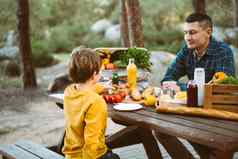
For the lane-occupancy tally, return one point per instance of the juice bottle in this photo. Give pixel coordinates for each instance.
(131, 74)
(192, 94)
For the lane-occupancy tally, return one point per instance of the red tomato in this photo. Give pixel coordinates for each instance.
(113, 99)
(118, 98)
(110, 99)
(122, 94)
(110, 66)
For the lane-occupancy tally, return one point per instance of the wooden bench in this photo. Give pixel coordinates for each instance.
(24, 149)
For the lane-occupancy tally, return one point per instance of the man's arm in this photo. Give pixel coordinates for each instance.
(177, 68)
(225, 62)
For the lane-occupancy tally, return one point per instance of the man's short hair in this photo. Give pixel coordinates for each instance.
(203, 19)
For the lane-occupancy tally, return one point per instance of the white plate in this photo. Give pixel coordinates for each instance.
(57, 95)
(127, 106)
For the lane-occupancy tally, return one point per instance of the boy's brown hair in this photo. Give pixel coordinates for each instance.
(83, 64)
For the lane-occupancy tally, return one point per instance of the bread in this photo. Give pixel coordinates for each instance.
(182, 110)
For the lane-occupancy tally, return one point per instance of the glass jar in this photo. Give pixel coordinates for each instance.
(192, 94)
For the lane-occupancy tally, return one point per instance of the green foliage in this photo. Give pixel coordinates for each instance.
(94, 40)
(221, 12)
(229, 80)
(65, 24)
(59, 40)
(141, 57)
(40, 55)
(7, 16)
(167, 39)
(6, 82)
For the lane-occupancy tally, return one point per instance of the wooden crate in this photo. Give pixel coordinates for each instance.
(221, 96)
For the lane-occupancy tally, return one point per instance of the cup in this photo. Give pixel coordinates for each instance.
(169, 88)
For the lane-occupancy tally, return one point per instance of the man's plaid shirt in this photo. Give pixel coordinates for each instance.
(218, 58)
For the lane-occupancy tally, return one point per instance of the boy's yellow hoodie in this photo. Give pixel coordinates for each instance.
(86, 117)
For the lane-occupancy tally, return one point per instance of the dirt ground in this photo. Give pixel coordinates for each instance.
(31, 114)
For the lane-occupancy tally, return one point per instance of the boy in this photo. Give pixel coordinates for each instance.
(85, 111)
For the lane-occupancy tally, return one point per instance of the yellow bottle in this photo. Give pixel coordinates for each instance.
(131, 74)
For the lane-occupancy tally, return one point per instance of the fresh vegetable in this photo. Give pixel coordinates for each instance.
(228, 80)
(114, 98)
(150, 100)
(141, 56)
(109, 66)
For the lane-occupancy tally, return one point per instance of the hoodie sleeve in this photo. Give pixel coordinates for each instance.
(94, 131)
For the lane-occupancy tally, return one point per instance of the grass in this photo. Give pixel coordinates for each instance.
(6, 82)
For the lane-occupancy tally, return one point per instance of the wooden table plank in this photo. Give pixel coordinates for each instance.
(229, 125)
(190, 123)
(226, 124)
(196, 135)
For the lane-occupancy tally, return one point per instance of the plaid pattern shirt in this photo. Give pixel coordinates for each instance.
(218, 58)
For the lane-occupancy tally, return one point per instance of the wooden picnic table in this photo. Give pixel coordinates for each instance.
(211, 138)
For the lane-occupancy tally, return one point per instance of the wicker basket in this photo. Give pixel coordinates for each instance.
(221, 96)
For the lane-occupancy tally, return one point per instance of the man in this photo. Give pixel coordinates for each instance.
(200, 50)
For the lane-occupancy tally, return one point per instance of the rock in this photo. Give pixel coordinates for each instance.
(9, 52)
(10, 39)
(218, 33)
(100, 26)
(160, 61)
(59, 84)
(11, 68)
(113, 33)
(231, 32)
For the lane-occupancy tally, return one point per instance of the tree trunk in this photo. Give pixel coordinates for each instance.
(135, 23)
(199, 6)
(124, 24)
(29, 78)
(235, 4)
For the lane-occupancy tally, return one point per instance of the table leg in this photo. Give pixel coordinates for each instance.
(209, 153)
(150, 144)
(215, 154)
(173, 146)
(125, 137)
(202, 151)
(134, 135)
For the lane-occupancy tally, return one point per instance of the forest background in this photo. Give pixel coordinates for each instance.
(57, 26)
